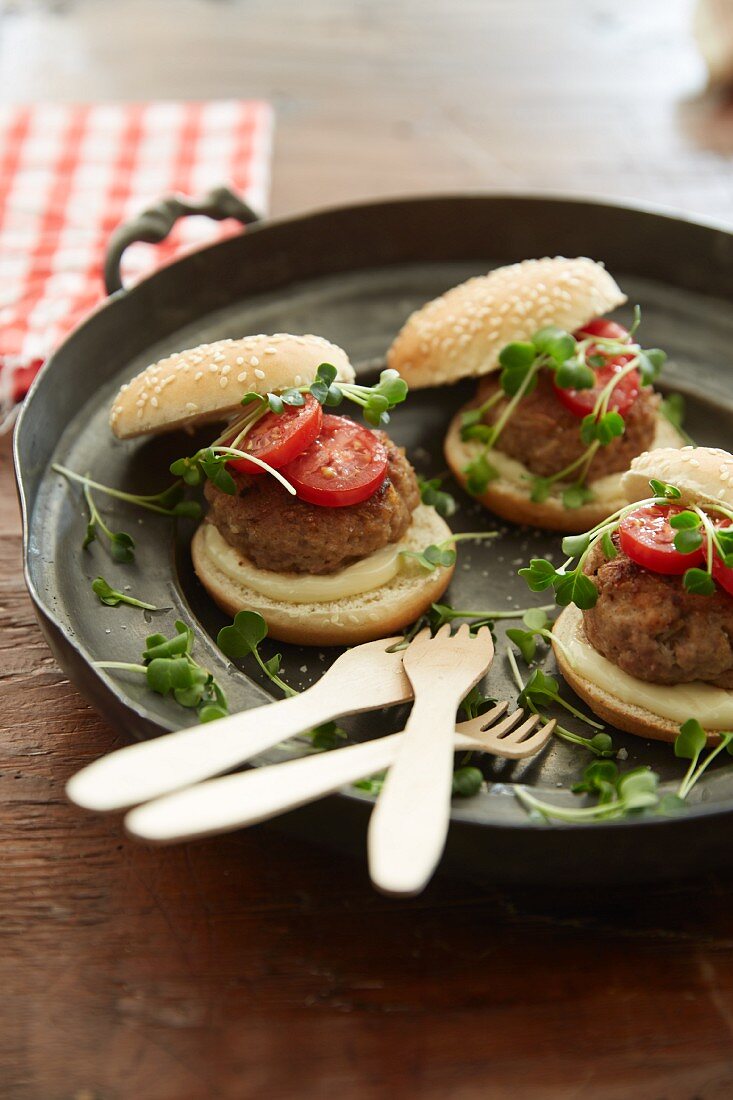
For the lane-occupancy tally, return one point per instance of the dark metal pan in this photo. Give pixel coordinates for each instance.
(353, 275)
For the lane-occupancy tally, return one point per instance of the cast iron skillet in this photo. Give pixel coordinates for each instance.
(353, 275)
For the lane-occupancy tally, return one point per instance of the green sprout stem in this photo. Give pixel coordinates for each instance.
(569, 813)
(562, 733)
(693, 774)
(232, 452)
(118, 494)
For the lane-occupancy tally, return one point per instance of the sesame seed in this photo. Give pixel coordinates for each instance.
(223, 381)
(197, 375)
(239, 361)
(242, 377)
(191, 406)
(225, 369)
(154, 402)
(259, 374)
(254, 361)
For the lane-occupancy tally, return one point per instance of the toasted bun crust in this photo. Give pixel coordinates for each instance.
(704, 475)
(619, 713)
(510, 499)
(208, 382)
(460, 334)
(377, 614)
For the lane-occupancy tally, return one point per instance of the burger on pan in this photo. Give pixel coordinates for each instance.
(308, 512)
(565, 400)
(646, 638)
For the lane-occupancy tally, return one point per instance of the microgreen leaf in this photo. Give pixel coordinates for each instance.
(687, 540)
(576, 496)
(122, 547)
(697, 581)
(520, 354)
(575, 588)
(109, 596)
(525, 642)
(555, 342)
(164, 674)
(575, 545)
(685, 520)
(650, 363)
(293, 397)
(572, 374)
(242, 639)
(90, 535)
(432, 495)
(609, 549)
(539, 574)
(541, 487)
(326, 373)
(467, 782)
(664, 490)
(690, 741)
(476, 703)
(214, 466)
(479, 473)
(244, 635)
(327, 736)
(372, 785)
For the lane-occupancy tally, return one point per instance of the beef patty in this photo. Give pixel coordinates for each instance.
(280, 532)
(545, 436)
(652, 628)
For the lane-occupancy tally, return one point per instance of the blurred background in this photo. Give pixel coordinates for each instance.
(376, 97)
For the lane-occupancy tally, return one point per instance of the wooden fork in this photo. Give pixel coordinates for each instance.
(249, 797)
(363, 678)
(409, 824)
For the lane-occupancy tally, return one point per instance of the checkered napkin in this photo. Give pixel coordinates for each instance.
(69, 174)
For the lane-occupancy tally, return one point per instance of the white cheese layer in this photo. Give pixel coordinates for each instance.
(712, 706)
(363, 576)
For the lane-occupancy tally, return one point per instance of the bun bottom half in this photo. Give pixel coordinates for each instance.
(509, 498)
(624, 715)
(378, 613)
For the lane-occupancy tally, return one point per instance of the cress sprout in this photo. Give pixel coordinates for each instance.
(571, 360)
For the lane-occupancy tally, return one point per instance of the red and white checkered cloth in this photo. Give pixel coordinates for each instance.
(69, 174)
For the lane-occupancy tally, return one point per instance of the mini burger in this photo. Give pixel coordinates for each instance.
(313, 519)
(646, 638)
(565, 402)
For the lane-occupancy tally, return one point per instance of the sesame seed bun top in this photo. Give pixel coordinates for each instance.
(208, 382)
(703, 475)
(461, 333)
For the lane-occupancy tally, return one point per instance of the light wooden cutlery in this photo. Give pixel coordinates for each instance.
(248, 797)
(363, 678)
(409, 824)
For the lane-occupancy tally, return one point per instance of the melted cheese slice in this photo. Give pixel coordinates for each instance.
(712, 706)
(363, 576)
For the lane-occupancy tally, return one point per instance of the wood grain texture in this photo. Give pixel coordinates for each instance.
(254, 965)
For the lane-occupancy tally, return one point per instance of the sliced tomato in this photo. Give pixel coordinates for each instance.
(647, 537)
(723, 573)
(278, 438)
(582, 402)
(346, 464)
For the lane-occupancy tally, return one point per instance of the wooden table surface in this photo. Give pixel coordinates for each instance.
(256, 966)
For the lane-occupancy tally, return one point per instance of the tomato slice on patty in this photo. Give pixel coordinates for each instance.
(582, 402)
(278, 438)
(647, 537)
(345, 465)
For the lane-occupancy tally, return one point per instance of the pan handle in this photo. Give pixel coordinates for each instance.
(154, 224)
